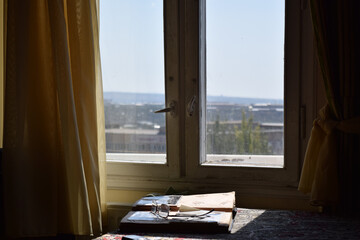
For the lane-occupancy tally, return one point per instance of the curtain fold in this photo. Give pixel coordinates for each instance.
(54, 139)
(332, 161)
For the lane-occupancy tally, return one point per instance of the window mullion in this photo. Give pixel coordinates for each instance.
(192, 83)
(172, 85)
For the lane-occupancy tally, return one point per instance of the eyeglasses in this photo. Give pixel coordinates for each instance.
(163, 211)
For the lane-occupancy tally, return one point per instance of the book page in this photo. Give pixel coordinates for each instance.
(214, 217)
(217, 201)
(166, 199)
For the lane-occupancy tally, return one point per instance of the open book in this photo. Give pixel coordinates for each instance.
(188, 214)
(145, 221)
(218, 201)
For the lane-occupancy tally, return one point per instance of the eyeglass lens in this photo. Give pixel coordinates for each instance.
(163, 210)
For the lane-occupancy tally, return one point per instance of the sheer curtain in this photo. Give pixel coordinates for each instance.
(331, 170)
(54, 140)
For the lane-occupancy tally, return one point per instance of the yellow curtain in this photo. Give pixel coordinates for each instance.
(332, 161)
(54, 151)
(320, 170)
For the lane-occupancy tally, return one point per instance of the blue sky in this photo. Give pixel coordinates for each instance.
(245, 47)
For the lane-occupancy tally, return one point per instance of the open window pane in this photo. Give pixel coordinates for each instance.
(245, 82)
(132, 57)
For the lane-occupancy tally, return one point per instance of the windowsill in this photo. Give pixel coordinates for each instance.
(136, 158)
(215, 160)
(262, 161)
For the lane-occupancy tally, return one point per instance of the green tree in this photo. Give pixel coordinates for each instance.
(219, 139)
(260, 142)
(250, 139)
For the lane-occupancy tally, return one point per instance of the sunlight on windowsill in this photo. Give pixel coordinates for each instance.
(260, 161)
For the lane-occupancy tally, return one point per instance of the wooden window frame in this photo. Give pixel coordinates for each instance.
(185, 78)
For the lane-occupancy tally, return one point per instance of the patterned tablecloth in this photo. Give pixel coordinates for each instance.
(272, 224)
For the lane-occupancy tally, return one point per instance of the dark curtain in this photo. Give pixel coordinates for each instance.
(337, 34)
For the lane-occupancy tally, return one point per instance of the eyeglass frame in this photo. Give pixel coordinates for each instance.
(156, 209)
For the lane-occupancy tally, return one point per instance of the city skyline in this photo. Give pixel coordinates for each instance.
(159, 98)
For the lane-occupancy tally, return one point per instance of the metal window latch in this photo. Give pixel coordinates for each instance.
(171, 109)
(191, 106)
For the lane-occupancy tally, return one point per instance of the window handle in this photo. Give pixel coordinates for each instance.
(171, 109)
(191, 106)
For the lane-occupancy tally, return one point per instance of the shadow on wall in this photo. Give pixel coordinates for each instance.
(2, 220)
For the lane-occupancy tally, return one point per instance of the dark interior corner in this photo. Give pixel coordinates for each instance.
(2, 221)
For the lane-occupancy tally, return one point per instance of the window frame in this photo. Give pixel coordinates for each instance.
(197, 70)
(185, 63)
(144, 167)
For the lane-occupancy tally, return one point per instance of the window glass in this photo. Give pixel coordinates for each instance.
(132, 57)
(245, 82)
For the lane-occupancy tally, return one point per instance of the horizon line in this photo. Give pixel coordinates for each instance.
(280, 99)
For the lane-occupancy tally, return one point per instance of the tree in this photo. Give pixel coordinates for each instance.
(250, 139)
(219, 138)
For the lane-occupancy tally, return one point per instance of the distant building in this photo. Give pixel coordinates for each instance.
(124, 140)
(130, 140)
(273, 132)
(134, 128)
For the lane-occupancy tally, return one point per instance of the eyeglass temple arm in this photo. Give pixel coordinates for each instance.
(200, 215)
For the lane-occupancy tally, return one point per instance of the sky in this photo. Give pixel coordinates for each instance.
(244, 41)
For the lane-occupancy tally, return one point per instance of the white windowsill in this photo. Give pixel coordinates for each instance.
(216, 160)
(136, 158)
(263, 161)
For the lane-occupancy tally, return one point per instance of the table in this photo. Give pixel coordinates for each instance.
(272, 224)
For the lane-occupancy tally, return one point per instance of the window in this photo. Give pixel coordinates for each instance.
(133, 73)
(244, 83)
(174, 53)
